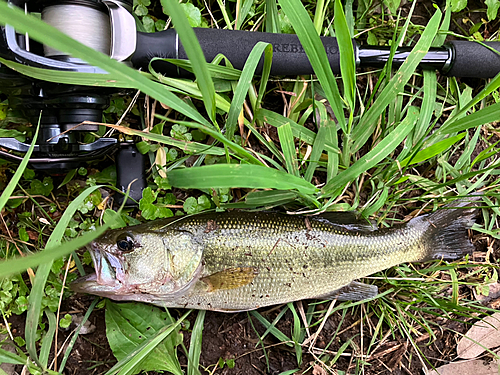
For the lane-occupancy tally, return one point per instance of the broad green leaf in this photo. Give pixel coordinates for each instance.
(393, 5)
(128, 325)
(492, 10)
(458, 5)
(192, 13)
(237, 175)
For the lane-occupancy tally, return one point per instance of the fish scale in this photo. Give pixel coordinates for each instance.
(236, 261)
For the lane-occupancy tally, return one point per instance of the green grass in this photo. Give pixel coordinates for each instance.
(382, 143)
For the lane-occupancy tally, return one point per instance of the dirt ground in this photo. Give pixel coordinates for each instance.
(231, 336)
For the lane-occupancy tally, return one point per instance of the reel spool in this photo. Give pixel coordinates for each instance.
(86, 21)
(106, 26)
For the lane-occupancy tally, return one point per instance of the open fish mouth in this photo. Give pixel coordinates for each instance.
(103, 282)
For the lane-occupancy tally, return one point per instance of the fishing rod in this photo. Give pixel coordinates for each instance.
(108, 26)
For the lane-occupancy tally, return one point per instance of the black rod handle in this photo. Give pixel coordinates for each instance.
(471, 59)
(289, 57)
(456, 58)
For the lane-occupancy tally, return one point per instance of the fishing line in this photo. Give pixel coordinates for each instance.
(86, 24)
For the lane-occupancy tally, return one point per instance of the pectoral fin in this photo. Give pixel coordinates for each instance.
(355, 291)
(230, 278)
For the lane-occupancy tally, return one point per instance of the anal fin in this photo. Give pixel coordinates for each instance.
(355, 291)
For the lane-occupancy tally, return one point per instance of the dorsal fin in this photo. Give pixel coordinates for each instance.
(347, 219)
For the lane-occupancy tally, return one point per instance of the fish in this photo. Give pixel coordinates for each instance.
(239, 261)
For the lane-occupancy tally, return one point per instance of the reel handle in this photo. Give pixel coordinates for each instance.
(289, 57)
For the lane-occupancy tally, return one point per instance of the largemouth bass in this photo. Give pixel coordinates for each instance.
(238, 261)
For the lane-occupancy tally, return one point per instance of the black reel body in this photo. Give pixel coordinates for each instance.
(61, 108)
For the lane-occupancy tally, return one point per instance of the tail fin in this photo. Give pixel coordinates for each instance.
(447, 231)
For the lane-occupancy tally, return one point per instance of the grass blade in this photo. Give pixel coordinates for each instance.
(299, 131)
(75, 335)
(244, 84)
(316, 53)
(195, 344)
(288, 146)
(346, 50)
(194, 52)
(242, 15)
(53, 250)
(376, 155)
(432, 151)
(271, 327)
(272, 18)
(19, 172)
(218, 136)
(9, 357)
(48, 338)
(478, 118)
(237, 175)
(367, 124)
(319, 142)
(296, 333)
(70, 78)
(186, 146)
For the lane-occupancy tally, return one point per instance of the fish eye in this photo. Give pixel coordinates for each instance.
(125, 242)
